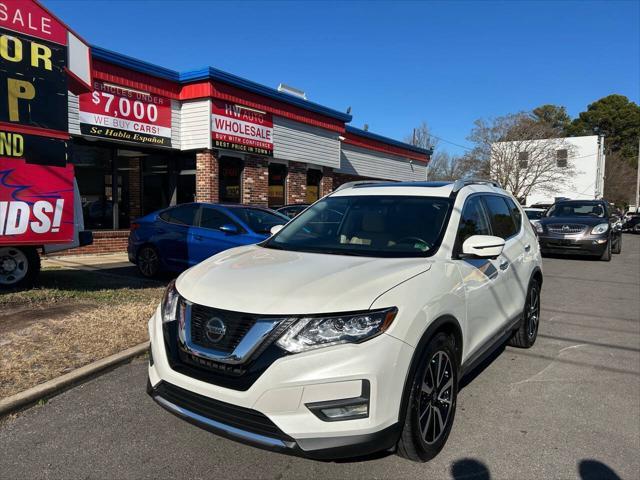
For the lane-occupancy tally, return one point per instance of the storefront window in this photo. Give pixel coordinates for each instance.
(230, 174)
(118, 185)
(277, 177)
(313, 185)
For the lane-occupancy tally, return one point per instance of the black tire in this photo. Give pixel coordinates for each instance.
(423, 421)
(606, 255)
(527, 332)
(148, 261)
(617, 247)
(21, 268)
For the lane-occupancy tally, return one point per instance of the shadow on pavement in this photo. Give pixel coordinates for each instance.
(469, 468)
(595, 470)
(472, 469)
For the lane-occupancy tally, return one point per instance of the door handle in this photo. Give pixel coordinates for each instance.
(504, 265)
(197, 237)
(527, 247)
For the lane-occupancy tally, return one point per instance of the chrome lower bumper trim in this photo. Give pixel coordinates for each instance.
(229, 430)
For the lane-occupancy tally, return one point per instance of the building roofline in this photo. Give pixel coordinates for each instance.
(387, 140)
(210, 73)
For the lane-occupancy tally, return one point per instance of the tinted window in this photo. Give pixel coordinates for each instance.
(182, 214)
(502, 222)
(213, 219)
(515, 213)
(260, 221)
(372, 226)
(472, 222)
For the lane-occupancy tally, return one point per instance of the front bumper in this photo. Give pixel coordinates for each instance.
(593, 245)
(276, 403)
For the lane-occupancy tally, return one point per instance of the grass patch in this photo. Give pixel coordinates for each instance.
(72, 318)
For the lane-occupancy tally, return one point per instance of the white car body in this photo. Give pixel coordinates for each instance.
(482, 298)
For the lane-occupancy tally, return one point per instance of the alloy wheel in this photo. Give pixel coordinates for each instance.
(436, 397)
(148, 262)
(533, 311)
(13, 266)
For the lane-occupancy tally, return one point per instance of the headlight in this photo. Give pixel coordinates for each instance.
(539, 227)
(169, 308)
(314, 332)
(601, 228)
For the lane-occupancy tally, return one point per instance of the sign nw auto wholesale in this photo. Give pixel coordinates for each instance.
(120, 113)
(236, 127)
(36, 184)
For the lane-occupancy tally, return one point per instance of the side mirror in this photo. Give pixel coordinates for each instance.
(229, 229)
(275, 229)
(483, 246)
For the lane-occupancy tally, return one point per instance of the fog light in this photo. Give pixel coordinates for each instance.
(344, 409)
(349, 411)
(601, 241)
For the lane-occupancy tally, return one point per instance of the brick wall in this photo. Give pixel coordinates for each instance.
(206, 176)
(327, 184)
(297, 183)
(107, 241)
(255, 181)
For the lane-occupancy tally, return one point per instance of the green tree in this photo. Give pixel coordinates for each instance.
(615, 117)
(553, 116)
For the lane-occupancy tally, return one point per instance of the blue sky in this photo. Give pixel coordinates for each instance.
(395, 63)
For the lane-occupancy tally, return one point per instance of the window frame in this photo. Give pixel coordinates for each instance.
(564, 159)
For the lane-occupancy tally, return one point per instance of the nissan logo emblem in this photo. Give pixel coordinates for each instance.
(214, 329)
(566, 228)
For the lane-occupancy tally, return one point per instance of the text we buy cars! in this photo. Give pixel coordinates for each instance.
(41, 60)
(348, 330)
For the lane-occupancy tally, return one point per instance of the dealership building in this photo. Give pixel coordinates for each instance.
(148, 137)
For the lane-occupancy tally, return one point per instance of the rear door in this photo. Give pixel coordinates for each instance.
(171, 234)
(206, 238)
(484, 282)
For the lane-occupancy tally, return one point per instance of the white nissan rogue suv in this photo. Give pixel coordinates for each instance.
(348, 331)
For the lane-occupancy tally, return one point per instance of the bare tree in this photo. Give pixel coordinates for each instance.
(522, 154)
(421, 137)
(445, 167)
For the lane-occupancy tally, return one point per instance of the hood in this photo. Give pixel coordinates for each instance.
(253, 279)
(591, 221)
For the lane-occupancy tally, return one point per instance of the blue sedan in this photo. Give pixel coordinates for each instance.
(179, 237)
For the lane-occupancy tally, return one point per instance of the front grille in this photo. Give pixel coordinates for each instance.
(236, 324)
(226, 413)
(566, 228)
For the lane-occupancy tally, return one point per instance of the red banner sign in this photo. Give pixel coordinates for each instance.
(120, 113)
(36, 203)
(26, 16)
(241, 128)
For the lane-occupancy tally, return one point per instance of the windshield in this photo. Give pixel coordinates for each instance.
(534, 214)
(576, 210)
(373, 226)
(260, 221)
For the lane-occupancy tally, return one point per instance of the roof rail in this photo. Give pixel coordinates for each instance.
(360, 182)
(459, 184)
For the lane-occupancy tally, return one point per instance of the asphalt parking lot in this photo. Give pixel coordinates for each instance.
(568, 408)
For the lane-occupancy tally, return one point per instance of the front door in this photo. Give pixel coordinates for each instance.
(206, 239)
(485, 282)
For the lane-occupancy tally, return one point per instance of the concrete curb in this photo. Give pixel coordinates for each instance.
(57, 385)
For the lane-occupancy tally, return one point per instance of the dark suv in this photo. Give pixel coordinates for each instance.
(580, 227)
